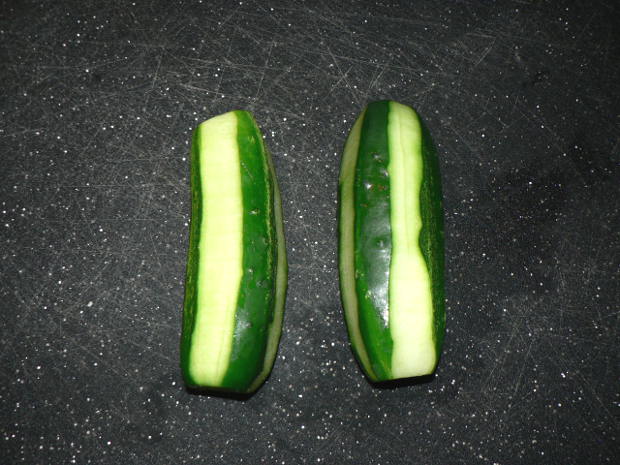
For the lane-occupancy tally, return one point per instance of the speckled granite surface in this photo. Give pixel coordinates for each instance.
(97, 105)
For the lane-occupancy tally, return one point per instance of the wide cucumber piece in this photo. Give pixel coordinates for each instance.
(391, 253)
(236, 270)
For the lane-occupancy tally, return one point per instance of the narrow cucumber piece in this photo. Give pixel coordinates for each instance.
(236, 270)
(391, 256)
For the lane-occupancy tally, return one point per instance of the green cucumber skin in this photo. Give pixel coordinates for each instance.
(372, 247)
(257, 320)
(255, 309)
(191, 275)
(372, 237)
(432, 232)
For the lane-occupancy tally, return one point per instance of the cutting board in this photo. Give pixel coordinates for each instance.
(97, 106)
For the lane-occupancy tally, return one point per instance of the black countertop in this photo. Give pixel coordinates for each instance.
(97, 106)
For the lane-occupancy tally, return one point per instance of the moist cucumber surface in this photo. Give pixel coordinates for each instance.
(391, 255)
(236, 269)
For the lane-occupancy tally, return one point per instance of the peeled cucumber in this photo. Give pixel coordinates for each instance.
(391, 252)
(237, 269)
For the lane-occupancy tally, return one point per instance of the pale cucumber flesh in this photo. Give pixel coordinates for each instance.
(220, 264)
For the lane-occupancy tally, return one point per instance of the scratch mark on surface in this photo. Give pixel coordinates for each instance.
(262, 76)
(484, 54)
(343, 75)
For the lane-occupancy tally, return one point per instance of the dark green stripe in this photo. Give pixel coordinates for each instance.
(191, 279)
(255, 306)
(373, 237)
(431, 234)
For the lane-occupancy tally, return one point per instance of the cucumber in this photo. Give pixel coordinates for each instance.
(236, 270)
(391, 257)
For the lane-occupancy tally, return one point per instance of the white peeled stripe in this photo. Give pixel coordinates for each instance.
(220, 249)
(411, 305)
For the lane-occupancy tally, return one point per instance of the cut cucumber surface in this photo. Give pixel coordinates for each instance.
(236, 271)
(391, 255)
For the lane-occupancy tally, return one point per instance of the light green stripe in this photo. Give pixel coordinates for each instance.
(411, 306)
(220, 268)
(347, 243)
